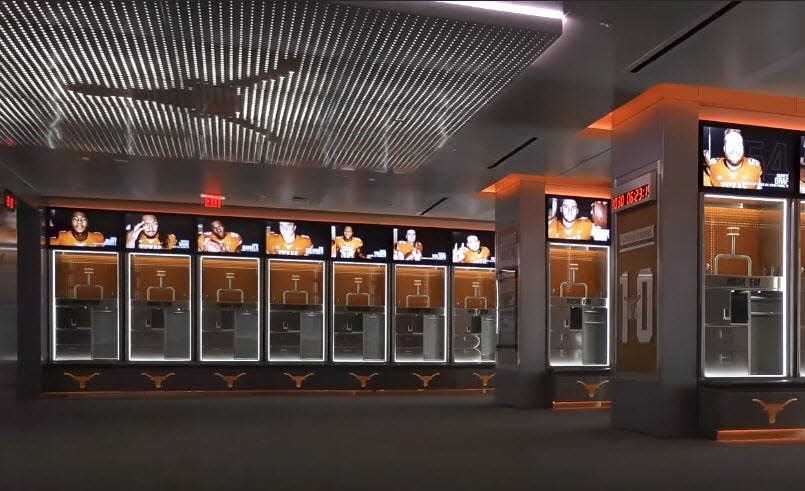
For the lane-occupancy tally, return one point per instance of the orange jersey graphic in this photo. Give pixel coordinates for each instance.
(346, 249)
(581, 229)
(407, 248)
(275, 244)
(746, 176)
(209, 242)
(66, 238)
(479, 256)
(144, 242)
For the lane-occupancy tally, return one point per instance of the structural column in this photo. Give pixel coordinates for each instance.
(521, 375)
(656, 250)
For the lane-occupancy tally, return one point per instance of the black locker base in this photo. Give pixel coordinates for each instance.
(745, 412)
(579, 389)
(85, 378)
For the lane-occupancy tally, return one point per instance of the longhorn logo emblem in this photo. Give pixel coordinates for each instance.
(158, 380)
(592, 388)
(229, 379)
(363, 379)
(484, 380)
(631, 307)
(774, 408)
(82, 380)
(425, 378)
(298, 379)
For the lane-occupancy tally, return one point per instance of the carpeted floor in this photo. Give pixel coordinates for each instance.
(375, 442)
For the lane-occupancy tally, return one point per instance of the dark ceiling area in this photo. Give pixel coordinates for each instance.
(381, 107)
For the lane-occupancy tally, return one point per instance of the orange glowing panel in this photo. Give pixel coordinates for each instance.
(789, 435)
(565, 405)
(558, 185)
(715, 104)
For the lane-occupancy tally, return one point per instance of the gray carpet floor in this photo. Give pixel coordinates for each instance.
(375, 443)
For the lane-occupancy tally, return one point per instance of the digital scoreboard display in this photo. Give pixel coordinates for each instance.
(632, 197)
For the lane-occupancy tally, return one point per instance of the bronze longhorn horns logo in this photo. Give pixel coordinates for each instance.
(592, 389)
(229, 379)
(774, 408)
(158, 380)
(298, 379)
(81, 379)
(425, 379)
(363, 379)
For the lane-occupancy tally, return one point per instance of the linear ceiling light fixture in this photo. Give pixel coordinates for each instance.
(513, 8)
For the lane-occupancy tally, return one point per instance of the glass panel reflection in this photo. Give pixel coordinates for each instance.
(85, 310)
(230, 319)
(578, 322)
(159, 307)
(474, 315)
(296, 310)
(743, 309)
(419, 314)
(359, 312)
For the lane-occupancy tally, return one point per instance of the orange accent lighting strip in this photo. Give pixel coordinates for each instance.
(560, 185)
(789, 435)
(565, 405)
(105, 394)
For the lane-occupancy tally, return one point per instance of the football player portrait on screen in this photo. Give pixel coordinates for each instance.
(408, 249)
(734, 169)
(218, 239)
(79, 234)
(145, 235)
(471, 252)
(567, 224)
(288, 242)
(347, 246)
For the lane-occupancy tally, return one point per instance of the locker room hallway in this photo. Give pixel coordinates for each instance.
(368, 442)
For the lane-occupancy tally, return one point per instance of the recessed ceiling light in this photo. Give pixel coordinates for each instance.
(513, 8)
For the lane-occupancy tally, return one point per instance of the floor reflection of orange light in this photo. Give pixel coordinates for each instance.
(789, 435)
(565, 405)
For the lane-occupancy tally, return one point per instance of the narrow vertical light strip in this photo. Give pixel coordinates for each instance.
(786, 278)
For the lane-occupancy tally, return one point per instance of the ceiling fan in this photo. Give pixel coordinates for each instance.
(201, 98)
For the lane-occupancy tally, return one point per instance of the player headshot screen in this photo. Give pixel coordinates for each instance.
(802, 165)
(473, 247)
(295, 238)
(414, 244)
(216, 235)
(83, 228)
(578, 219)
(358, 241)
(152, 231)
(745, 157)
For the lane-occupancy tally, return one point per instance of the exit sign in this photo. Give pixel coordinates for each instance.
(9, 201)
(212, 200)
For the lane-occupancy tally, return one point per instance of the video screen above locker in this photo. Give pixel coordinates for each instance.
(746, 158)
(421, 244)
(227, 235)
(295, 238)
(578, 219)
(158, 232)
(83, 228)
(360, 242)
(471, 247)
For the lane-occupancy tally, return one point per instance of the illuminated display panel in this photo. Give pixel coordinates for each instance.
(85, 229)
(472, 247)
(285, 238)
(421, 244)
(632, 197)
(159, 232)
(359, 242)
(751, 159)
(227, 235)
(577, 219)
